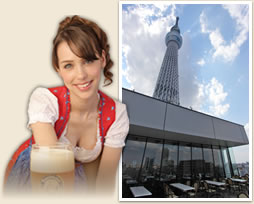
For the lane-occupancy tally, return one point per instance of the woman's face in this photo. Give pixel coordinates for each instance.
(81, 77)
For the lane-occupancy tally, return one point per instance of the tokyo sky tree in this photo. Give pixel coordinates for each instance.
(167, 85)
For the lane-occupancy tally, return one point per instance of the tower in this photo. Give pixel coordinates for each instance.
(167, 85)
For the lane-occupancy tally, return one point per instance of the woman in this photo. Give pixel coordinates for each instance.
(76, 113)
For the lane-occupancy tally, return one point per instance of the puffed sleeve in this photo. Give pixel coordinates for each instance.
(43, 107)
(119, 129)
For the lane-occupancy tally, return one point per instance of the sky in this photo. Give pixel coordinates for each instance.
(213, 61)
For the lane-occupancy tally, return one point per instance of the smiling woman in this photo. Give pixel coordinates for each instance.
(78, 113)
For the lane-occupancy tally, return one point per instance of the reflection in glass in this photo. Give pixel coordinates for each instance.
(169, 162)
(197, 162)
(152, 160)
(226, 162)
(184, 163)
(132, 157)
(232, 158)
(208, 157)
(219, 172)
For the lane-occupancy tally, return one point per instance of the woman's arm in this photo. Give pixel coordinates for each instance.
(107, 169)
(44, 133)
(91, 170)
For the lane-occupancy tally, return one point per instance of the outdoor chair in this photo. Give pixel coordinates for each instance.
(168, 192)
(201, 186)
(223, 188)
(242, 195)
(208, 190)
(194, 194)
(233, 186)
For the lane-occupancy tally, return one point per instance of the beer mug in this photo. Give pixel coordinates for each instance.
(52, 168)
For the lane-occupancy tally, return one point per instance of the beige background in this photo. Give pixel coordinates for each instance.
(27, 28)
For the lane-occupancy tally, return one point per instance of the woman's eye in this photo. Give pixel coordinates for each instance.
(67, 66)
(88, 62)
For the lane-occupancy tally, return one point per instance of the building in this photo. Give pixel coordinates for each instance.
(170, 143)
(167, 85)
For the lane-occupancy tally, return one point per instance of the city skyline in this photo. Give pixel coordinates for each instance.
(213, 61)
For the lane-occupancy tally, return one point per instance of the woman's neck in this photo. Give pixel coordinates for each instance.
(84, 108)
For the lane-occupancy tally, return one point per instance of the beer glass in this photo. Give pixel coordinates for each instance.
(52, 168)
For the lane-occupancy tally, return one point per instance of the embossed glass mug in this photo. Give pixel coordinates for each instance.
(52, 168)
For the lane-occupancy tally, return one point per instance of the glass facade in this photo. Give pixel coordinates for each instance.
(218, 165)
(209, 163)
(184, 163)
(197, 162)
(169, 162)
(132, 159)
(149, 159)
(152, 160)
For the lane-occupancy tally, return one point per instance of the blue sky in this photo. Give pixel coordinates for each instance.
(213, 60)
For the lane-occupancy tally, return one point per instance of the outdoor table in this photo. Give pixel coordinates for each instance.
(215, 183)
(238, 180)
(140, 191)
(182, 187)
(131, 181)
(126, 177)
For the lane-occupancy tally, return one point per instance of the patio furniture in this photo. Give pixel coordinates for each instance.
(208, 190)
(240, 182)
(168, 192)
(140, 191)
(194, 194)
(242, 195)
(182, 187)
(233, 186)
(131, 181)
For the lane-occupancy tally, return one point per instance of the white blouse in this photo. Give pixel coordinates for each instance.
(43, 107)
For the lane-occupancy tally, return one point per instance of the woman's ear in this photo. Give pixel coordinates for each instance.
(103, 58)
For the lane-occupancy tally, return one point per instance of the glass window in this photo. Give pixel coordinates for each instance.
(132, 157)
(184, 163)
(218, 171)
(169, 162)
(197, 162)
(234, 164)
(226, 162)
(208, 157)
(152, 160)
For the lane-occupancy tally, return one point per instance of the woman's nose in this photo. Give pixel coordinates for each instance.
(81, 72)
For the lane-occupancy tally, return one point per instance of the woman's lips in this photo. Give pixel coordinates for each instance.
(84, 86)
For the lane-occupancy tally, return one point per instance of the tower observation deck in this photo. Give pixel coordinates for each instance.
(167, 85)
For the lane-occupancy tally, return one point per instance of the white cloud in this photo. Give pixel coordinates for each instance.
(201, 62)
(222, 49)
(143, 43)
(211, 95)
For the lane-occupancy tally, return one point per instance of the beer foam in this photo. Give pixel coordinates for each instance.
(46, 160)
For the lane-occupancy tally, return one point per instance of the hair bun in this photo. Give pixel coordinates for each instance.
(63, 24)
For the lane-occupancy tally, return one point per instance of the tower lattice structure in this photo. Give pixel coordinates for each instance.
(167, 85)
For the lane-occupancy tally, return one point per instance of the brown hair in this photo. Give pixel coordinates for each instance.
(86, 39)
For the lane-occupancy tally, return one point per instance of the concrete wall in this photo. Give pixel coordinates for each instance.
(153, 118)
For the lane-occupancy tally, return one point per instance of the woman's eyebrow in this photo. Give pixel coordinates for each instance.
(65, 61)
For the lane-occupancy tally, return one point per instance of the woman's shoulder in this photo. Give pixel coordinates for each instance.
(50, 92)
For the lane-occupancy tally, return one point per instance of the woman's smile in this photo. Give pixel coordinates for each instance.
(84, 86)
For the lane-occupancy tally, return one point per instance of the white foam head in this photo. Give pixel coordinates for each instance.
(47, 160)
